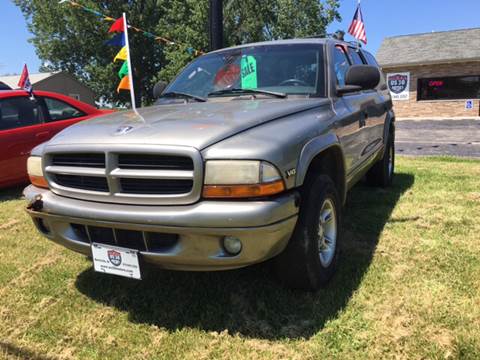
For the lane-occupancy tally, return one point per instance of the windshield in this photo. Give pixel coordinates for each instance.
(289, 69)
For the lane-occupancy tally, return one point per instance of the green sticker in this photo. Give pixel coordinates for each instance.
(249, 72)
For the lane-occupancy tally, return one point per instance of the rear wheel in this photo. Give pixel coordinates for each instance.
(381, 174)
(310, 259)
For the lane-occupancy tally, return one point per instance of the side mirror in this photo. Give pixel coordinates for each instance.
(158, 88)
(365, 76)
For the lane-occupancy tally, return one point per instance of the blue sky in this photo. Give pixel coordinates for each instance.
(383, 18)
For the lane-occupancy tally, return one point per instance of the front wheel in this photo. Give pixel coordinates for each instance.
(310, 259)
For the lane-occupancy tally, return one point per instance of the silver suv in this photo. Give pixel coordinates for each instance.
(246, 156)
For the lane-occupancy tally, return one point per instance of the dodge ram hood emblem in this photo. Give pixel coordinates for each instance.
(122, 130)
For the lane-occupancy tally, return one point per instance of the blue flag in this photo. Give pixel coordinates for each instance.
(117, 40)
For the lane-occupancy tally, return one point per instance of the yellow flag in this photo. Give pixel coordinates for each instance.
(124, 84)
(122, 54)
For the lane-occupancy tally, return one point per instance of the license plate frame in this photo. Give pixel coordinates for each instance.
(116, 260)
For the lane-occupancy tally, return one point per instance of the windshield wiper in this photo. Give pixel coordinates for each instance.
(183, 95)
(236, 91)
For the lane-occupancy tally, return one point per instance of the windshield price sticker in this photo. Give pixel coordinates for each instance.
(249, 72)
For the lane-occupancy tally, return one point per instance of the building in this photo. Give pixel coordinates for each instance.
(434, 74)
(60, 82)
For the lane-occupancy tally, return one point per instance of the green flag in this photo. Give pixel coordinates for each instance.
(123, 70)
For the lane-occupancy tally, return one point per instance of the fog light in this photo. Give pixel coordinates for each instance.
(232, 245)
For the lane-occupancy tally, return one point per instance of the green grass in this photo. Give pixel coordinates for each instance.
(407, 287)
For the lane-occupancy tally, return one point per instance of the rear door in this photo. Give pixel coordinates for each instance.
(60, 114)
(21, 128)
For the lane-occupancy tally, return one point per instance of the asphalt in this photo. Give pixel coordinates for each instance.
(438, 137)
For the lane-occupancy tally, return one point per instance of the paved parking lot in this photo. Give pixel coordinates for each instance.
(438, 137)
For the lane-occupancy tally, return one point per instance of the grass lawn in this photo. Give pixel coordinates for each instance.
(408, 286)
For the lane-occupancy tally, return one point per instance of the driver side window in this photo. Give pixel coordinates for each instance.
(341, 64)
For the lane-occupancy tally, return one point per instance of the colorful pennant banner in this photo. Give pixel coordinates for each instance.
(118, 26)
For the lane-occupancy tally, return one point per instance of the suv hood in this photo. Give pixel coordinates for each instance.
(194, 124)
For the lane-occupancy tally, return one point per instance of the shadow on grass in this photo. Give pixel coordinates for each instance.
(15, 352)
(249, 301)
(12, 193)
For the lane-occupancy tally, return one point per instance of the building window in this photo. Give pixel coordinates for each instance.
(449, 88)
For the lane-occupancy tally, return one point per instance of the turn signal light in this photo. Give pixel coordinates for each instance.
(38, 181)
(243, 191)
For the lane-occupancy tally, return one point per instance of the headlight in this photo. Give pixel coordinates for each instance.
(241, 179)
(35, 171)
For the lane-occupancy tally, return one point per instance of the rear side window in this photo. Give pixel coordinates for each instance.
(355, 56)
(59, 110)
(341, 64)
(19, 112)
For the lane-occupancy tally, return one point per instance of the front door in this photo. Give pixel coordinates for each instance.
(21, 129)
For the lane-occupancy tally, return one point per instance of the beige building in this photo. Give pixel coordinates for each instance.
(60, 82)
(434, 74)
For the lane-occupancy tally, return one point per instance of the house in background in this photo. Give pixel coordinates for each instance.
(60, 82)
(433, 74)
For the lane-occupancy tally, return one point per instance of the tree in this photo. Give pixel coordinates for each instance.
(69, 39)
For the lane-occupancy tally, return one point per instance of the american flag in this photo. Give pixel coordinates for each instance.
(357, 28)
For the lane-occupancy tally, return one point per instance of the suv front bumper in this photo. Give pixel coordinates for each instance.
(263, 227)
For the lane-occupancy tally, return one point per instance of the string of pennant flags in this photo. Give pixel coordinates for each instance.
(148, 34)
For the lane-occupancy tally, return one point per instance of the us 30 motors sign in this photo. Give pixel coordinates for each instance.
(399, 85)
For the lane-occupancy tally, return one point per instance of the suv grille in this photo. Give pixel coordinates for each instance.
(155, 186)
(138, 177)
(154, 162)
(91, 183)
(80, 160)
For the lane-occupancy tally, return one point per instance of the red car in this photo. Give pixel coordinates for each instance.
(25, 123)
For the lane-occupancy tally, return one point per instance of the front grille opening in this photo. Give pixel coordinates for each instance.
(155, 186)
(154, 162)
(91, 183)
(130, 239)
(101, 235)
(79, 160)
(159, 242)
(80, 232)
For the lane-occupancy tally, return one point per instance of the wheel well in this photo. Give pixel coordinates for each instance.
(330, 162)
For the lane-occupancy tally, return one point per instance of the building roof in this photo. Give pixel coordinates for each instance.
(430, 48)
(12, 80)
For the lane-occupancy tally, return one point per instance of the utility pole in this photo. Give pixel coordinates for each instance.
(215, 22)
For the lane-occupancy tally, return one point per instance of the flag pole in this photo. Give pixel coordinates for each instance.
(358, 40)
(130, 72)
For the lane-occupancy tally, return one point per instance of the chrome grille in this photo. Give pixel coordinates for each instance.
(131, 174)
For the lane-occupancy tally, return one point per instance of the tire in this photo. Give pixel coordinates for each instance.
(302, 265)
(382, 172)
